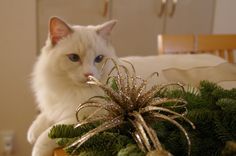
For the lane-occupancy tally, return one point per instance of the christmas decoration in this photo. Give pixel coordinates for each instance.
(140, 122)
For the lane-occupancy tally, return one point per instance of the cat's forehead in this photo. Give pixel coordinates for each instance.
(86, 37)
(84, 31)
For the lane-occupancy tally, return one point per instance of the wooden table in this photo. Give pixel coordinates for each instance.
(59, 152)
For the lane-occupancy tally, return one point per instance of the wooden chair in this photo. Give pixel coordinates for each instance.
(222, 45)
(175, 43)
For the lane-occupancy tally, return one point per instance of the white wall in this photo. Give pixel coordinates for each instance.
(17, 54)
(225, 17)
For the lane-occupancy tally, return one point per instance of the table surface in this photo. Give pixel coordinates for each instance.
(59, 152)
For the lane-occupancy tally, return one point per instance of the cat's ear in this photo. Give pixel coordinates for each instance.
(105, 29)
(58, 29)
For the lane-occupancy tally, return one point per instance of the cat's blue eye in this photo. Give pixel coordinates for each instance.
(73, 57)
(99, 58)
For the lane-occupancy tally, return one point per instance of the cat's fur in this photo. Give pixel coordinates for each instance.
(59, 83)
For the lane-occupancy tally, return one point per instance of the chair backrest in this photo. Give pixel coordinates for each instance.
(222, 45)
(175, 43)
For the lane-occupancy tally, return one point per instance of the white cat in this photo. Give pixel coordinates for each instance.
(70, 55)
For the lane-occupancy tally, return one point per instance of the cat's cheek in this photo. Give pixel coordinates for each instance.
(76, 78)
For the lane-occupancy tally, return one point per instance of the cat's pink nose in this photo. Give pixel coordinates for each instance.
(88, 74)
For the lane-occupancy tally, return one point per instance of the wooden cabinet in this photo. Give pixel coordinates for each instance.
(189, 17)
(137, 27)
(139, 21)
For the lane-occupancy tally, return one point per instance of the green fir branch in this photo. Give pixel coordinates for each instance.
(211, 108)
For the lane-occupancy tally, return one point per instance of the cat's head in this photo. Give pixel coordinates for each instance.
(75, 52)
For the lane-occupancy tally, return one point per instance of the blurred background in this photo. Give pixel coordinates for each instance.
(23, 30)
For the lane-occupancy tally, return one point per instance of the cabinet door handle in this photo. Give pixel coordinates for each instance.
(174, 4)
(106, 8)
(163, 7)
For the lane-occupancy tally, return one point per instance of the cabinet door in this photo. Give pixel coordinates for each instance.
(191, 16)
(137, 27)
(81, 12)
